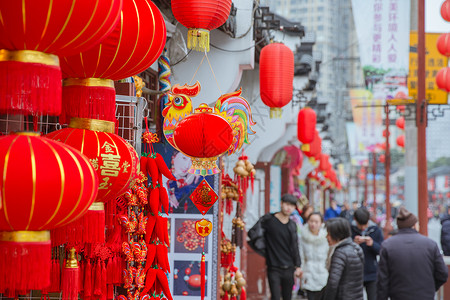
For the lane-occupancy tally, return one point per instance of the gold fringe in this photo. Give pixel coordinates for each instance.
(198, 39)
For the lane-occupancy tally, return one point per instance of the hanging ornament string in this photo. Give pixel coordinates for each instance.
(195, 73)
(212, 71)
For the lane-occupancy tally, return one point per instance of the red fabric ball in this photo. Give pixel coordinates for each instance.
(61, 27)
(276, 75)
(203, 135)
(443, 79)
(400, 123)
(205, 14)
(114, 160)
(306, 125)
(135, 43)
(45, 184)
(443, 44)
(445, 11)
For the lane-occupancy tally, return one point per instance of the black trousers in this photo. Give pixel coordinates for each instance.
(371, 289)
(316, 295)
(281, 282)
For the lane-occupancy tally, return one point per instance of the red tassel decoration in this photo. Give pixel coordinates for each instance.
(30, 88)
(92, 102)
(98, 279)
(55, 276)
(81, 276)
(110, 292)
(202, 276)
(70, 278)
(87, 279)
(25, 265)
(109, 271)
(104, 284)
(243, 294)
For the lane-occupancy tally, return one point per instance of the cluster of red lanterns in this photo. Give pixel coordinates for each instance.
(443, 46)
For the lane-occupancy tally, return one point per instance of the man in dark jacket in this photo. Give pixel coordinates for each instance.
(280, 248)
(369, 237)
(445, 233)
(411, 266)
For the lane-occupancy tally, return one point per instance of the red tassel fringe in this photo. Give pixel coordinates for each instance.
(87, 288)
(55, 277)
(30, 88)
(243, 294)
(104, 292)
(93, 102)
(25, 266)
(70, 283)
(90, 228)
(98, 279)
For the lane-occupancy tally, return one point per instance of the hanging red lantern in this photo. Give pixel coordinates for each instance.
(400, 123)
(115, 163)
(276, 75)
(401, 141)
(315, 148)
(200, 17)
(135, 43)
(443, 44)
(306, 125)
(203, 136)
(32, 33)
(384, 135)
(45, 184)
(324, 163)
(382, 158)
(443, 79)
(445, 11)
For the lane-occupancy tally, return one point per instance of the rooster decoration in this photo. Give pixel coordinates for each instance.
(207, 132)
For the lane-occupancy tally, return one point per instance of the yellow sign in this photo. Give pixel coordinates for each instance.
(434, 61)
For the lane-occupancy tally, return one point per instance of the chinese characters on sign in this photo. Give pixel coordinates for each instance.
(110, 164)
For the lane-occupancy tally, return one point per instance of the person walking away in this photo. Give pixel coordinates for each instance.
(445, 233)
(369, 237)
(333, 211)
(411, 265)
(275, 237)
(345, 263)
(347, 212)
(313, 254)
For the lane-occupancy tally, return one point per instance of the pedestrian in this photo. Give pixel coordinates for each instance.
(333, 211)
(313, 253)
(445, 233)
(411, 266)
(275, 237)
(347, 212)
(345, 263)
(369, 237)
(306, 212)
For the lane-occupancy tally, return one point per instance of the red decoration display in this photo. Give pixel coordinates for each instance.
(306, 125)
(401, 141)
(203, 227)
(32, 33)
(443, 44)
(443, 79)
(135, 43)
(200, 16)
(315, 148)
(203, 197)
(400, 123)
(324, 163)
(45, 184)
(445, 10)
(276, 75)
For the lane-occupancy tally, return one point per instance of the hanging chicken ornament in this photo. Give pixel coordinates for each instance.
(244, 171)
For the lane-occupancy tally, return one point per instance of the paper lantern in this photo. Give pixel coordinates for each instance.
(315, 148)
(401, 141)
(400, 123)
(443, 44)
(324, 163)
(32, 33)
(200, 17)
(306, 125)
(276, 75)
(382, 158)
(443, 79)
(445, 11)
(135, 43)
(45, 184)
(203, 136)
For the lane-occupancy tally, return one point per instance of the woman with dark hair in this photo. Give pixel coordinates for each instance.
(306, 212)
(345, 263)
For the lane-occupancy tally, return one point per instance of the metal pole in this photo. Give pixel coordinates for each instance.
(387, 162)
(421, 122)
(374, 189)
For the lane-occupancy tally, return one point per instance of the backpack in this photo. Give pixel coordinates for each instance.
(256, 239)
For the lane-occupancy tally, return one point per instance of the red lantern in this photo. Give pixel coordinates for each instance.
(443, 79)
(443, 44)
(382, 158)
(306, 125)
(445, 11)
(384, 135)
(200, 17)
(400, 123)
(203, 136)
(315, 148)
(32, 33)
(45, 184)
(276, 75)
(401, 141)
(324, 164)
(136, 42)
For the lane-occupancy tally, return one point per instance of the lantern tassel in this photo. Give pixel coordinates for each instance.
(243, 294)
(202, 276)
(198, 39)
(25, 260)
(70, 281)
(87, 279)
(55, 276)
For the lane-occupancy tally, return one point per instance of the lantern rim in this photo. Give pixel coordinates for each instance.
(92, 124)
(29, 56)
(21, 236)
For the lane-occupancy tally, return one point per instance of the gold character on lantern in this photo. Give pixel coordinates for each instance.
(111, 165)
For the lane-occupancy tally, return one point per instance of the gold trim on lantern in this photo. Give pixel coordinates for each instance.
(204, 166)
(92, 124)
(26, 133)
(89, 82)
(97, 206)
(29, 56)
(25, 236)
(198, 39)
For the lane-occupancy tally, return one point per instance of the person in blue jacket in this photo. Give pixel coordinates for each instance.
(333, 211)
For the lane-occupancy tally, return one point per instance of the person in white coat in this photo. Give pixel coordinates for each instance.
(314, 251)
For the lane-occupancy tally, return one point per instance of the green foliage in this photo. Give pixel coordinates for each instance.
(441, 161)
